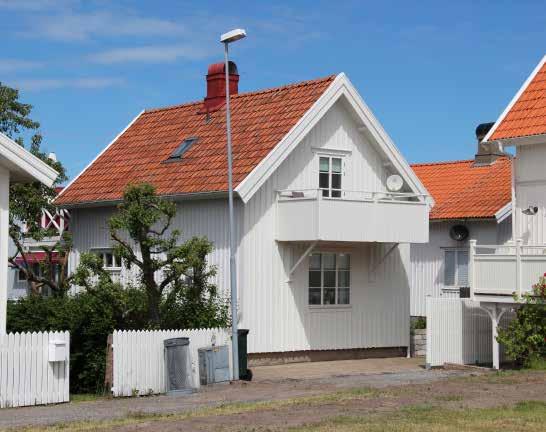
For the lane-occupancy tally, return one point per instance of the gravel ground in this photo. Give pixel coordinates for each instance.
(261, 390)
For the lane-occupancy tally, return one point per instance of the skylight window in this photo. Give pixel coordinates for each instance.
(182, 148)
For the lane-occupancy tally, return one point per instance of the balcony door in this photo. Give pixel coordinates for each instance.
(331, 175)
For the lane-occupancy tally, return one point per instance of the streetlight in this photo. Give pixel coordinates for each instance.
(226, 39)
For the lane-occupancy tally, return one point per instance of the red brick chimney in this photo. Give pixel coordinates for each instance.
(216, 85)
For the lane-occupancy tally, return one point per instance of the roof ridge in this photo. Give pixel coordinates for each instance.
(453, 162)
(250, 93)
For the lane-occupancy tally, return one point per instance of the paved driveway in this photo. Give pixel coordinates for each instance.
(271, 383)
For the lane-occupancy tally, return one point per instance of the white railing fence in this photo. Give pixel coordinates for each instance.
(139, 362)
(347, 194)
(459, 331)
(27, 376)
(505, 269)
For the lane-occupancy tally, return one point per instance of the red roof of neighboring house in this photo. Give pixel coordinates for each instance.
(526, 114)
(463, 191)
(259, 121)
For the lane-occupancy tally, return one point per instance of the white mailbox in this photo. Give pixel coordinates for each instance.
(57, 351)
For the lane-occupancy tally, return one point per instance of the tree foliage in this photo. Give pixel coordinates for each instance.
(28, 200)
(525, 337)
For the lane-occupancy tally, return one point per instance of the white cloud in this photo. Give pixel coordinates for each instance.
(75, 27)
(57, 83)
(150, 54)
(14, 65)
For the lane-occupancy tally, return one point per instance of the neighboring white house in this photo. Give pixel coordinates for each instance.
(323, 246)
(471, 201)
(497, 272)
(16, 165)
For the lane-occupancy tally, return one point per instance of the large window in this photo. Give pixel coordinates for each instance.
(456, 268)
(330, 172)
(329, 279)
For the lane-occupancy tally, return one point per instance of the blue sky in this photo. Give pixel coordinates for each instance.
(430, 71)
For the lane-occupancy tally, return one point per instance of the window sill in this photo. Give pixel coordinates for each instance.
(322, 308)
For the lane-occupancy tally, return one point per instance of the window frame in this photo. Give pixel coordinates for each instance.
(456, 281)
(336, 286)
(330, 190)
(116, 261)
(36, 267)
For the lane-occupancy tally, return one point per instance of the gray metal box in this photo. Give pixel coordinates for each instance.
(213, 364)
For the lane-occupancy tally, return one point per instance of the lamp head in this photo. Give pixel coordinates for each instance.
(530, 211)
(233, 35)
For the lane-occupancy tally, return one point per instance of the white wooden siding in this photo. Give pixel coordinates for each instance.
(26, 375)
(139, 359)
(427, 260)
(459, 331)
(276, 311)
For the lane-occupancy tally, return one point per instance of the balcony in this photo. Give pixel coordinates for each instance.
(356, 216)
(498, 272)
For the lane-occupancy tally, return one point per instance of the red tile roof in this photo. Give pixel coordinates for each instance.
(259, 121)
(527, 116)
(463, 191)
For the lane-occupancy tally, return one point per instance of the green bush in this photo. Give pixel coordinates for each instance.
(525, 337)
(91, 316)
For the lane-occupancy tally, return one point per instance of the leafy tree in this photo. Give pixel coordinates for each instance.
(173, 275)
(27, 201)
(525, 337)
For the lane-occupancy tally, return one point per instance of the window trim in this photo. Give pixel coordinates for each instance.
(331, 156)
(456, 285)
(103, 252)
(335, 305)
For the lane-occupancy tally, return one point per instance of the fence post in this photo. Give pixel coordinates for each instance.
(471, 267)
(519, 245)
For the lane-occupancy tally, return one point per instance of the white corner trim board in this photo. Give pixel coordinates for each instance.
(25, 162)
(340, 87)
(504, 212)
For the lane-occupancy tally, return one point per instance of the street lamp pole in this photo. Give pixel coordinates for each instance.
(226, 38)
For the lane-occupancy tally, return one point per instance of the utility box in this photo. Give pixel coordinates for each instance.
(213, 364)
(178, 365)
(57, 351)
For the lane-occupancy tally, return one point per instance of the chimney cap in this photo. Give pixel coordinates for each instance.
(219, 68)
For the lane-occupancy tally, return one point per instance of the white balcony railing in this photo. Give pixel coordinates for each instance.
(355, 216)
(498, 272)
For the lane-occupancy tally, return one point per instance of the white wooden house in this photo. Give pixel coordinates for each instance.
(498, 272)
(472, 201)
(323, 245)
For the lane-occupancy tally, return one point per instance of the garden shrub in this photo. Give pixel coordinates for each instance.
(525, 337)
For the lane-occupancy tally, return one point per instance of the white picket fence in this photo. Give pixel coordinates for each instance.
(139, 362)
(27, 377)
(459, 331)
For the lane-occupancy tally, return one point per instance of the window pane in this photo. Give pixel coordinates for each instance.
(314, 278)
(109, 262)
(336, 194)
(325, 192)
(314, 261)
(329, 296)
(462, 268)
(344, 262)
(22, 275)
(336, 165)
(329, 261)
(329, 278)
(449, 268)
(324, 181)
(336, 181)
(343, 277)
(324, 165)
(344, 296)
(314, 296)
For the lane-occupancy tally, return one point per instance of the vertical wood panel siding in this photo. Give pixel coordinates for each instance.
(26, 375)
(139, 358)
(277, 311)
(427, 260)
(459, 331)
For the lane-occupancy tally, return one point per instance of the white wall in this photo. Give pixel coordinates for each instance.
(427, 260)
(531, 191)
(276, 311)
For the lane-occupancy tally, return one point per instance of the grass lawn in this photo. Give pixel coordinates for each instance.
(526, 416)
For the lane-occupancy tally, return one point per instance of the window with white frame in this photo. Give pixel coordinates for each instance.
(110, 260)
(35, 268)
(329, 279)
(330, 172)
(456, 268)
